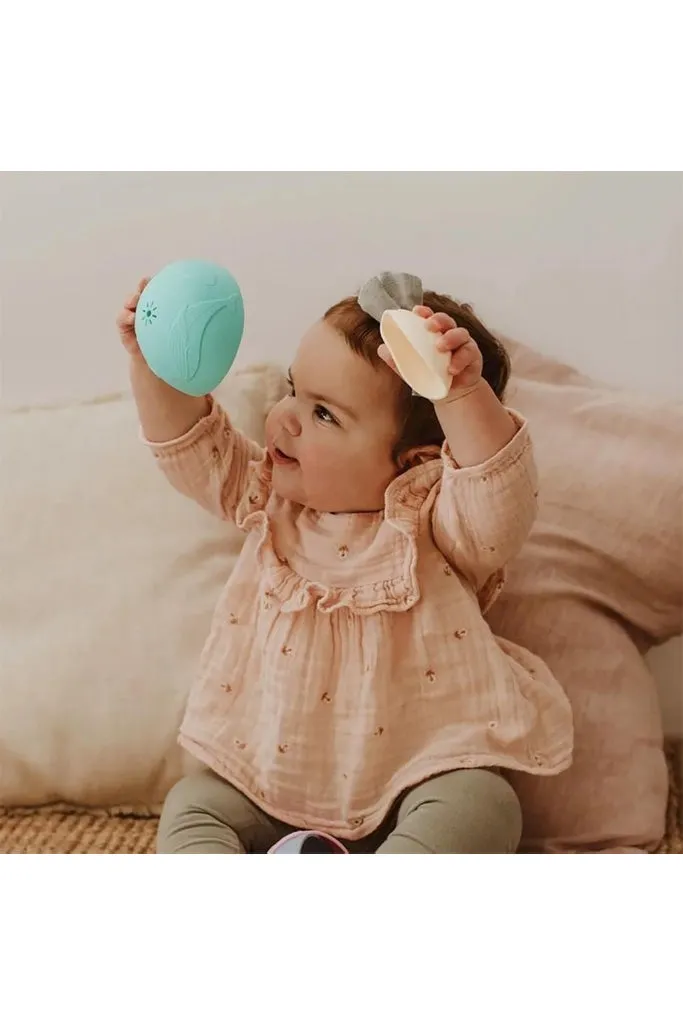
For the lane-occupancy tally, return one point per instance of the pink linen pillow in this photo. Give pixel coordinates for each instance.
(597, 584)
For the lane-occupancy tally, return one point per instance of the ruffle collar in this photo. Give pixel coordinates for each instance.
(404, 500)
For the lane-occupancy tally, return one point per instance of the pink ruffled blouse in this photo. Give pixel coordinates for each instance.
(348, 658)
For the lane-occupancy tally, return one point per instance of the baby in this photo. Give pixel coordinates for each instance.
(350, 683)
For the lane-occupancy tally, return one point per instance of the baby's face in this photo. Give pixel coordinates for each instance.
(331, 439)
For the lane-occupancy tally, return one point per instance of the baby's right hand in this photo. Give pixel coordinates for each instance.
(125, 321)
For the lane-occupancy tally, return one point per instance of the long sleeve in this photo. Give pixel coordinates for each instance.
(483, 514)
(210, 463)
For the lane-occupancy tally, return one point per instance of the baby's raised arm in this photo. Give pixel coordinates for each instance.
(487, 501)
(201, 453)
(164, 412)
(483, 513)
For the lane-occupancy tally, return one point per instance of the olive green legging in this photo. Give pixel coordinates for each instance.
(472, 810)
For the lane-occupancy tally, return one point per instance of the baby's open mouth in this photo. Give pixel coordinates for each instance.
(279, 457)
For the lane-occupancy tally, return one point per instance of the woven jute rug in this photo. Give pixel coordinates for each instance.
(80, 830)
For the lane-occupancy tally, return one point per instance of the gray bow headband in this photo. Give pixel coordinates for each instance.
(390, 291)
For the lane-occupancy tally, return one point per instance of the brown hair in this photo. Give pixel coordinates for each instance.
(421, 427)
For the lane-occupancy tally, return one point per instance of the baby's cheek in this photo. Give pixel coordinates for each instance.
(313, 459)
(321, 462)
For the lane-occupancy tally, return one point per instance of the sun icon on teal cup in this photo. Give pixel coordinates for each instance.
(149, 313)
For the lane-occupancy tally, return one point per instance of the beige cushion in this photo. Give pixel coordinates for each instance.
(598, 583)
(108, 579)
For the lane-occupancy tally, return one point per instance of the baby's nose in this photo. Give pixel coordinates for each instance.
(291, 422)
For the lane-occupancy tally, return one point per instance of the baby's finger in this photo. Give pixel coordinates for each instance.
(423, 311)
(132, 301)
(125, 320)
(462, 358)
(441, 322)
(454, 339)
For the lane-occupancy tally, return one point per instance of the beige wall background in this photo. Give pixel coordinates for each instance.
(588, 267)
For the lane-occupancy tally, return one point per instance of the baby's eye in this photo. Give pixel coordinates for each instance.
(290, 385)
(323, 414)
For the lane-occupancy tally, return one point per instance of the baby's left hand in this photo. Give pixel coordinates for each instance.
(466, 359)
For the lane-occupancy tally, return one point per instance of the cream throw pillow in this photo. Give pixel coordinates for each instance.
(108, 579)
